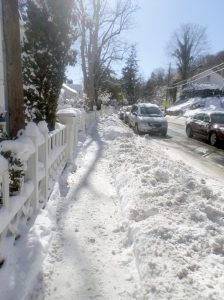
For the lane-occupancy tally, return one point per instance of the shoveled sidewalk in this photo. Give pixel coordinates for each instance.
(88, 257)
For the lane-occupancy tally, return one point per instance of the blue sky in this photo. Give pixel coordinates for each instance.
(155, 22)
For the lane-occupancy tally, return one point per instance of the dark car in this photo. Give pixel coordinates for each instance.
(208, 125)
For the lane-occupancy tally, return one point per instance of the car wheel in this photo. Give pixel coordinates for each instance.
(213, 138)
(164, 132)
(189, 131)
(136, 129)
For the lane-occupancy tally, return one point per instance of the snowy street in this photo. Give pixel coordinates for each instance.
(128, 220)
(111, 150)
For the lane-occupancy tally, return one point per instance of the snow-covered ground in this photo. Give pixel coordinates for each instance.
(126, 221)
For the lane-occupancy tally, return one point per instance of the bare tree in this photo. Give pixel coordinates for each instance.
(187, 45)
(100, 25)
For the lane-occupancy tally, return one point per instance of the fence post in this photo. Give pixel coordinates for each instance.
(71, 133)
(46, 163)
(32, 171)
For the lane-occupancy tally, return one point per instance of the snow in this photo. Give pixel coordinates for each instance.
(23, 147)
(42, 125)
(69, 111)
(204, 86)
(69, 88)
(192, 105)
(125, 221)
(3, 164)
(32, 130)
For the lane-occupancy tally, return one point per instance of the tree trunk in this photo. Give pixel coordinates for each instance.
(14, 89)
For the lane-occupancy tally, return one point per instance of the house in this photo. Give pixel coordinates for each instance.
(205, 84)
(72, 95)
(208, 77)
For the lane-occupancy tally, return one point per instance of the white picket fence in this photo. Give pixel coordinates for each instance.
(44, 166)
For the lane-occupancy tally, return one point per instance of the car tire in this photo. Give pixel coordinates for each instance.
(164, 132)
(189, 131)
(213, 138)
(136, 129)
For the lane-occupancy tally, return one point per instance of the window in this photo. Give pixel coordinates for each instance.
(206, 118)
(198, 117)
(217, 118)
(150, 111)
(134, 108)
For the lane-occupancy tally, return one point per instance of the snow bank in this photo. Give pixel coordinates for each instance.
(32, 130)
(193, 104)
(176, 220)
(23, 147)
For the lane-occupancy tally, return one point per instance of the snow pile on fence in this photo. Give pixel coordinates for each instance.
(175, 218)
(43, 156)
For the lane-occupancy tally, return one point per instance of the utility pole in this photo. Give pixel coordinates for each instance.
(168, 81)
(13, 68)
(165, 102)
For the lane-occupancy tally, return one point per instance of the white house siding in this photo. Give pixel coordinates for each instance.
(209, 77)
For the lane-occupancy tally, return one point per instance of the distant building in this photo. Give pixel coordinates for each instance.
(72, 95)
(208, 77)
(205, 84)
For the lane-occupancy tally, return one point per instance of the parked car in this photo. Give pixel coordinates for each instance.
(208, 125)
(121, 113)
(148, 118)
(127, 112)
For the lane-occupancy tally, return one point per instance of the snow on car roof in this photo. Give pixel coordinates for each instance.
(209, 112)
(147, 104)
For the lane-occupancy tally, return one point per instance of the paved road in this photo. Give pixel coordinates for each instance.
(199, 150)
(193, 151)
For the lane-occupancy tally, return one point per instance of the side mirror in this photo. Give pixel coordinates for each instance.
(134, 113)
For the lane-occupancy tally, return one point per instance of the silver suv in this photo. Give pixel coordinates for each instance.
(147, 118)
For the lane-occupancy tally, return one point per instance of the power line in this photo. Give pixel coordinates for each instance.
(214, 69)
(189, 80)
(217, 66)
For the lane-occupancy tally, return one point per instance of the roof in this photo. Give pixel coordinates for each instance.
(66, 87)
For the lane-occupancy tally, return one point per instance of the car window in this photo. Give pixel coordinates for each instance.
(199, 117)
(150, 111)
(134, 108)
(217, 118)
(206, 118)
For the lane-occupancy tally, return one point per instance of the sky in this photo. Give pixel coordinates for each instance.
(156, 21)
